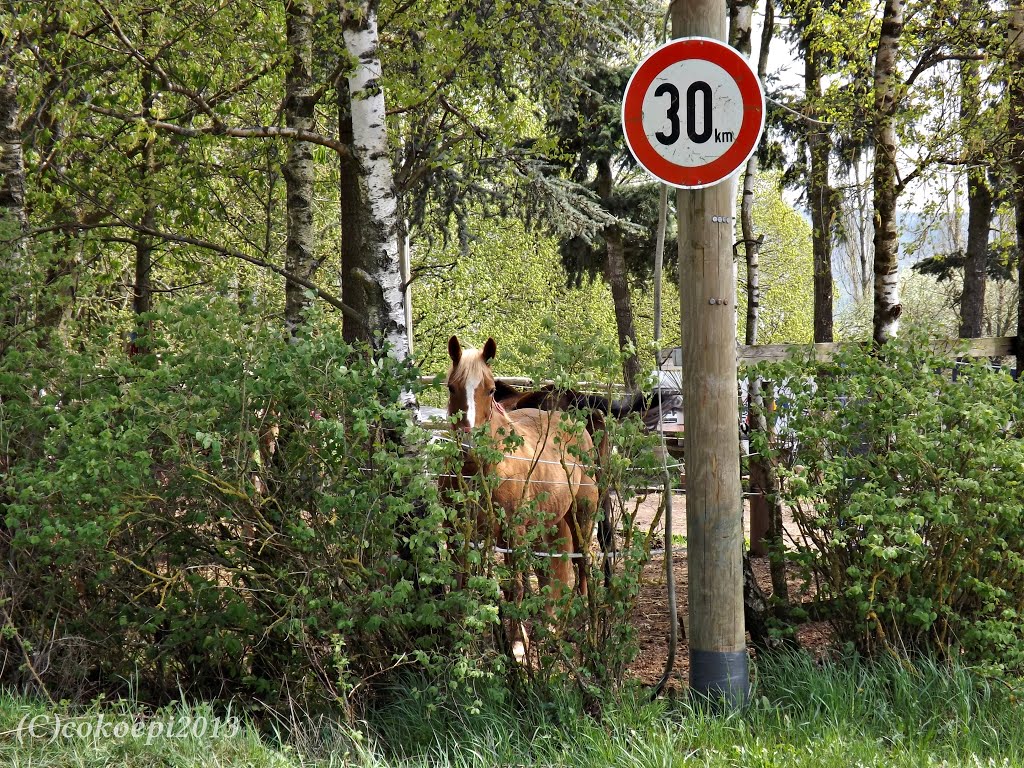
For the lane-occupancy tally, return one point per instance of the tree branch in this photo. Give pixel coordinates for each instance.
(902, 182)
(330, 299)
(929, 61)
(219, 129)
(155, 67)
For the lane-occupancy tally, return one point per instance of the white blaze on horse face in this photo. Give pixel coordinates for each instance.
(471, 384)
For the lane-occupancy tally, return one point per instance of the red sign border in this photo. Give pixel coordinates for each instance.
(751, 127)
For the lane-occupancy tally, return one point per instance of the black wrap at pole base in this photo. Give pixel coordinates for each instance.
(720, 677)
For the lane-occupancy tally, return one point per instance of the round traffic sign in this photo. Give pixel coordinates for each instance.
(693, 112)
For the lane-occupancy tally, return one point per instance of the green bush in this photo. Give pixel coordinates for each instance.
(230, 514)
(907, 483)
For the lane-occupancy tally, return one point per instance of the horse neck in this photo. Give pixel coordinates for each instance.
(498, 420)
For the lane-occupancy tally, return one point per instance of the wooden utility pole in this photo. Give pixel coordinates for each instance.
(714, 521)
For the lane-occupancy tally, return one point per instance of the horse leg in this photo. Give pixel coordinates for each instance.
(514, 592)
(605, 527)
(577, 548)
(561, 565)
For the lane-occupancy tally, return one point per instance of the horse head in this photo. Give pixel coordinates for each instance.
(470, 384)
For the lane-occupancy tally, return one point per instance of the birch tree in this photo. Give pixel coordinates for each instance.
(940, 33)
(740, 21)
(887, 309)
(371, 281)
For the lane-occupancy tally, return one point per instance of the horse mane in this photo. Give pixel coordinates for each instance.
(471, 364)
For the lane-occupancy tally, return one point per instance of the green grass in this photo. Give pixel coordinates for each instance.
(850, 714)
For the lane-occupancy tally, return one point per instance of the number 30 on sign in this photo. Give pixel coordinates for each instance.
(693, 112)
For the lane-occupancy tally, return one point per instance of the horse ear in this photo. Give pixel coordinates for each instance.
(490, 350)
(454, 350)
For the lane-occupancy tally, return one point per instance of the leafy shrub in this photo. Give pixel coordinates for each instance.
(231, 514)
(907, 483)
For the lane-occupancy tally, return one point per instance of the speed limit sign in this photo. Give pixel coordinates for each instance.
(693, 112)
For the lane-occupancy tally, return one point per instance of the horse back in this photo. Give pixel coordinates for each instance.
(539, 428)
(547, 460)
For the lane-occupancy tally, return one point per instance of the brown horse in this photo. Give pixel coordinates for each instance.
(543, 470)
(596, 409)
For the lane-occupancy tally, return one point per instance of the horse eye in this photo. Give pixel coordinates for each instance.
(451, 388)
(492, 391)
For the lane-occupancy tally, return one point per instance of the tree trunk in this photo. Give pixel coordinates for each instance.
(887, 308)
(741, 13)
(299, 170)
(820, 196)
(659, 257)
(741, 17)
(615, 274)
(142, 289)
(857, 228)
(371, 281)
(979, 214)
(979, 217)
(13, 219)
(405, 269)
(1015, 60)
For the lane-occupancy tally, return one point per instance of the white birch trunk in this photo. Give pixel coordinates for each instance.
(741, 16)
(741, 20)
(887, 309)
(373, 262)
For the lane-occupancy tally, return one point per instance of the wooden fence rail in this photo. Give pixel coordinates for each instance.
(990, 346)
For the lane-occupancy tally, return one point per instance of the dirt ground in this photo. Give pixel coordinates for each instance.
(651, 613)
